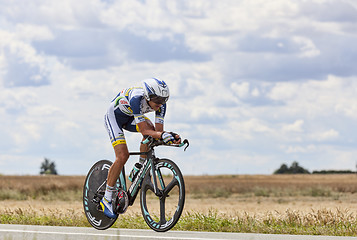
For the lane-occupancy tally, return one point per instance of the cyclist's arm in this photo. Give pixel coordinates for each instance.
(159, 127)
(159, 118)
(146, 129)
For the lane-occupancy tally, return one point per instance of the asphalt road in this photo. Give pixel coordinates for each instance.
(27, 232)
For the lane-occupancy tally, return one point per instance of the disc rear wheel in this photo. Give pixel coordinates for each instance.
(93, 192)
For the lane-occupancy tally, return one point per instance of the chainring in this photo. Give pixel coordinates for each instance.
(121, 201)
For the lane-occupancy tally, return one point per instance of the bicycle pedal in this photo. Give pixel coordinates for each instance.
(96, 200)
(99, 208)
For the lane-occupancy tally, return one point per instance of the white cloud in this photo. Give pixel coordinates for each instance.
(300, 149)
(255, 82)
(248, 129)
(294, 127)
(255, 92)
(325, 135)
(284, 91)
(307, 47)
(20, 63)
(241, 89)
(29, 32)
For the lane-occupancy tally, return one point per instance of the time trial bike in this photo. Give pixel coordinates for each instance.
(159, 180)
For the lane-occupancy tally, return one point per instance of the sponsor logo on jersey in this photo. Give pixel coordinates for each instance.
(124, 102)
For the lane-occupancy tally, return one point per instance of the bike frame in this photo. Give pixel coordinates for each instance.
(148, 164)
(134, 187)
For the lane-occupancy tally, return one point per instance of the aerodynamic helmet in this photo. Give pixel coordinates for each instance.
(156, 90)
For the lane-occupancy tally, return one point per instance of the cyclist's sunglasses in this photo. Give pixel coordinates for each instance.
(159, 100)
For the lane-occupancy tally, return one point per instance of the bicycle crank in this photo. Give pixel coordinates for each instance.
(121, 202)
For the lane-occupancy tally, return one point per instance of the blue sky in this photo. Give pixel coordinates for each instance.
(253, 83)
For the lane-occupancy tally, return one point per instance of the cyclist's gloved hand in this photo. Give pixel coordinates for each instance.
(167, 138)
(176, 137)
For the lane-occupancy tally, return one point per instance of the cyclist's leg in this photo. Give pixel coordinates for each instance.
(121, 156)
(114, 128)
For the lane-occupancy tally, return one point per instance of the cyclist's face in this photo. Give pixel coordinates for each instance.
(155, 105)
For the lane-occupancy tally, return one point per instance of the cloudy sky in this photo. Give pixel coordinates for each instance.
(253, 83)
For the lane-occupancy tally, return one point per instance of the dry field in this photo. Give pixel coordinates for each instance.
(255, 195)
(259, 194)
(284, 204)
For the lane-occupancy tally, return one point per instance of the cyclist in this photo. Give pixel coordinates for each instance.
(127, 111)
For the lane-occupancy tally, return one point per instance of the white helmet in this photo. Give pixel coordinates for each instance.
(156, 90)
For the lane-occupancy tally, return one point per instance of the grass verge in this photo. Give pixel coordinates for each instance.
(322, 222)
(319, 222)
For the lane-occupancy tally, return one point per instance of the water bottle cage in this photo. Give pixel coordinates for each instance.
(134, 172)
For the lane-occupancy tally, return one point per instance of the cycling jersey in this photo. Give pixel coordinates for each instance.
(126, 110)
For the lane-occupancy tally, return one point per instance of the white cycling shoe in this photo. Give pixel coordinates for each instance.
(107, 208)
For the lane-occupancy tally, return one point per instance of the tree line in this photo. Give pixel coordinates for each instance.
(295, 168)
(48, 167)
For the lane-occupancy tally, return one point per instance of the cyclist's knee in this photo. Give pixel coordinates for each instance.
(121, 153)
(122, 156)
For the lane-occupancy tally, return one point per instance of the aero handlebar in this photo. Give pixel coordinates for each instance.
(155, 142)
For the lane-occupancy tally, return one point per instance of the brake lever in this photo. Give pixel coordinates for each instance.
(185, 142)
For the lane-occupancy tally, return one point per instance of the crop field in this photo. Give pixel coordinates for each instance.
(291, 204)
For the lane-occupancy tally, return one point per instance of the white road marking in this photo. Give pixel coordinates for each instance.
(102, 235)
(29, 232)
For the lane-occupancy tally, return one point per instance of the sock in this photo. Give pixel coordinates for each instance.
(142, 160)
(109, 193)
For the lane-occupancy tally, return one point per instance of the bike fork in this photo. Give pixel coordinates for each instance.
(157, 191)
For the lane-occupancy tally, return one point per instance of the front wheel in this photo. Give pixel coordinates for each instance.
(162, 211)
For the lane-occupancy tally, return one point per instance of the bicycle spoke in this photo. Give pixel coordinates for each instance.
(170, 186)
(162, 211)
